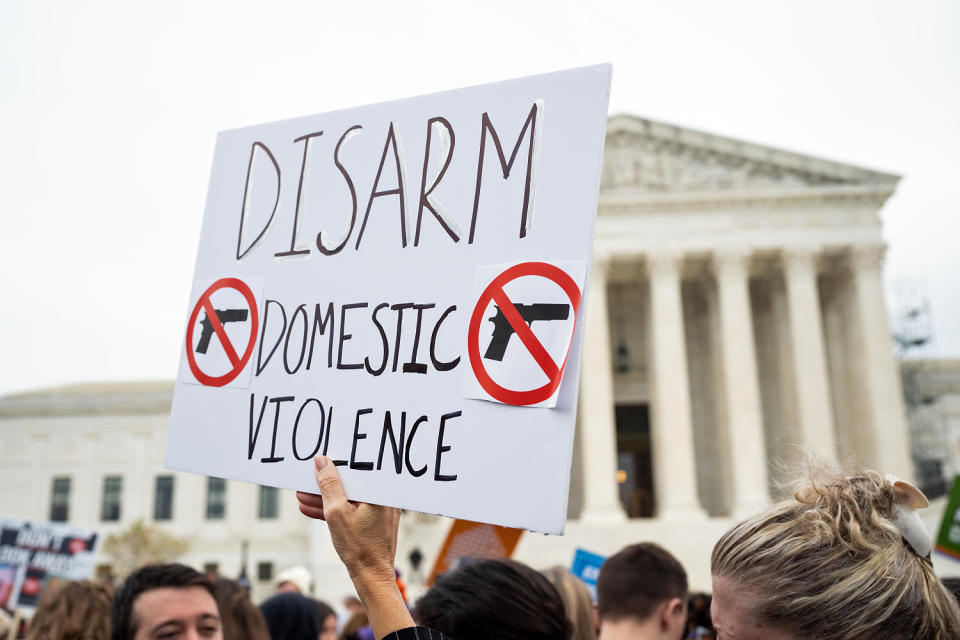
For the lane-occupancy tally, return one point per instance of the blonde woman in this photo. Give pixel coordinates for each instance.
(846, 559)
(576, 601)
(73, 611)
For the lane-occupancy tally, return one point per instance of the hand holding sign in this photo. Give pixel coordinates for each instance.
(365, 538)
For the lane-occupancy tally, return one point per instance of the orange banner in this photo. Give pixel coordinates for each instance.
(474, 540)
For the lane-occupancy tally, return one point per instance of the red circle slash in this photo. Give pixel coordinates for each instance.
(494, 292)
(238, 362)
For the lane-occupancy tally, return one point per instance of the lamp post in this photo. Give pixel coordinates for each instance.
(243, 579)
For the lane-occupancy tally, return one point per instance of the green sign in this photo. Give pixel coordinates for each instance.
(948, 540)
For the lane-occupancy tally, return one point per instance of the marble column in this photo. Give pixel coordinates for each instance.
(601, 501)
(672, 429)
(880, 375)
(814, 404)
(748, 459)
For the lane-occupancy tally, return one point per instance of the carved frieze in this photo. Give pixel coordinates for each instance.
(635, 162)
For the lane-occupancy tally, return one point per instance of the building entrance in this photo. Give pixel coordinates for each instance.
(634, 468)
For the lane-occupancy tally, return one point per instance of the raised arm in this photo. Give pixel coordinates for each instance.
(365, 537)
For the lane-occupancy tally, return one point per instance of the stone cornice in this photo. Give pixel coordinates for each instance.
(135, 398)
(623, 201)
(837, 171)
(939, 376)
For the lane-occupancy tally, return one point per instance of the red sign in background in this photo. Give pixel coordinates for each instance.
(495, 293)
(238, 362)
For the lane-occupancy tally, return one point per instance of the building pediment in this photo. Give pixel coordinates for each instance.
(645, 156)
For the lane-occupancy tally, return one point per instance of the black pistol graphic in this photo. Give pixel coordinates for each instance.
(225, 316)
(530, 314)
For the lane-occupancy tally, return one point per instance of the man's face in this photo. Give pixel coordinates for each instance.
(176, 613)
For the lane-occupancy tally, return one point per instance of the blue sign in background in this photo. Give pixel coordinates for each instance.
(586, 566)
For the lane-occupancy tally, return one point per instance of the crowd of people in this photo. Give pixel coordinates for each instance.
(844, 559)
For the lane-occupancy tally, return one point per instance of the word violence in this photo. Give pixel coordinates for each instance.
(313, 425)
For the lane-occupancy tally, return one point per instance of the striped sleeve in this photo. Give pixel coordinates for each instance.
(417, 633)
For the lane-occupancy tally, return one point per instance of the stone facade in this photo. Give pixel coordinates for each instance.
(735, 322)
(744, 308)
(90, 432)
(932, 390)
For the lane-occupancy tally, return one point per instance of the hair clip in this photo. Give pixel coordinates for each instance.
(907, 499)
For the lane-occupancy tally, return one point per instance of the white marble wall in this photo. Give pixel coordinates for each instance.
(86, 448)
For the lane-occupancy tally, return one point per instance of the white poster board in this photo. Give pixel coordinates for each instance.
(383, 284)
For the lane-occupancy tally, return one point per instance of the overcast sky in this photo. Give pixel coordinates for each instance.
(109, 110)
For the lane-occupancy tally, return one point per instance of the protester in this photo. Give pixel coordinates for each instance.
(699, 625)
(576, 602)
(240, 618)
(487, 593)
(357, 628)
(165, 600)
(501, 599)
(351, 605)
(847, 558)
(291, 616)
(73, 611)
(642, 595)
(295, 579)
(328, 620)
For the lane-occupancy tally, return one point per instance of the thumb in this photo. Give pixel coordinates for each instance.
(328, 481)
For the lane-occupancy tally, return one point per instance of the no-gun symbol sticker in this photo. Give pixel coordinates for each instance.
(511, 317)
(213, 335)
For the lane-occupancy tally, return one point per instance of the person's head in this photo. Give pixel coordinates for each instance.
(295, 579)
(494, 599)
(240, 618)
(830, 564)
(328, 620)
(642, 586)
(291, 616)
(165, 598)
(354, 626)
(576, 601)
(699, 624)
(74, 610)
(352, 604)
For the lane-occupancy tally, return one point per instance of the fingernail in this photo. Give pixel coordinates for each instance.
(320, 462)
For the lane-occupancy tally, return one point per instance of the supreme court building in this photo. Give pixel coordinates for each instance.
(735, 322)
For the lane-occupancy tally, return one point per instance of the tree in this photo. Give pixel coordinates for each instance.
(142, 544)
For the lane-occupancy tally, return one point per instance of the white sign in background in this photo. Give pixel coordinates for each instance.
(35, 554)
(361, 234)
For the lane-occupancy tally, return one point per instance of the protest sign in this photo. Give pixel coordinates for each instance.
(467, 540)
(948, 538)
(586, 566)
(34, 555)
(400, 287)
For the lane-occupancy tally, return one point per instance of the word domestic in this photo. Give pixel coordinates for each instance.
(312, 427)
(293, 329)
(391, 161)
